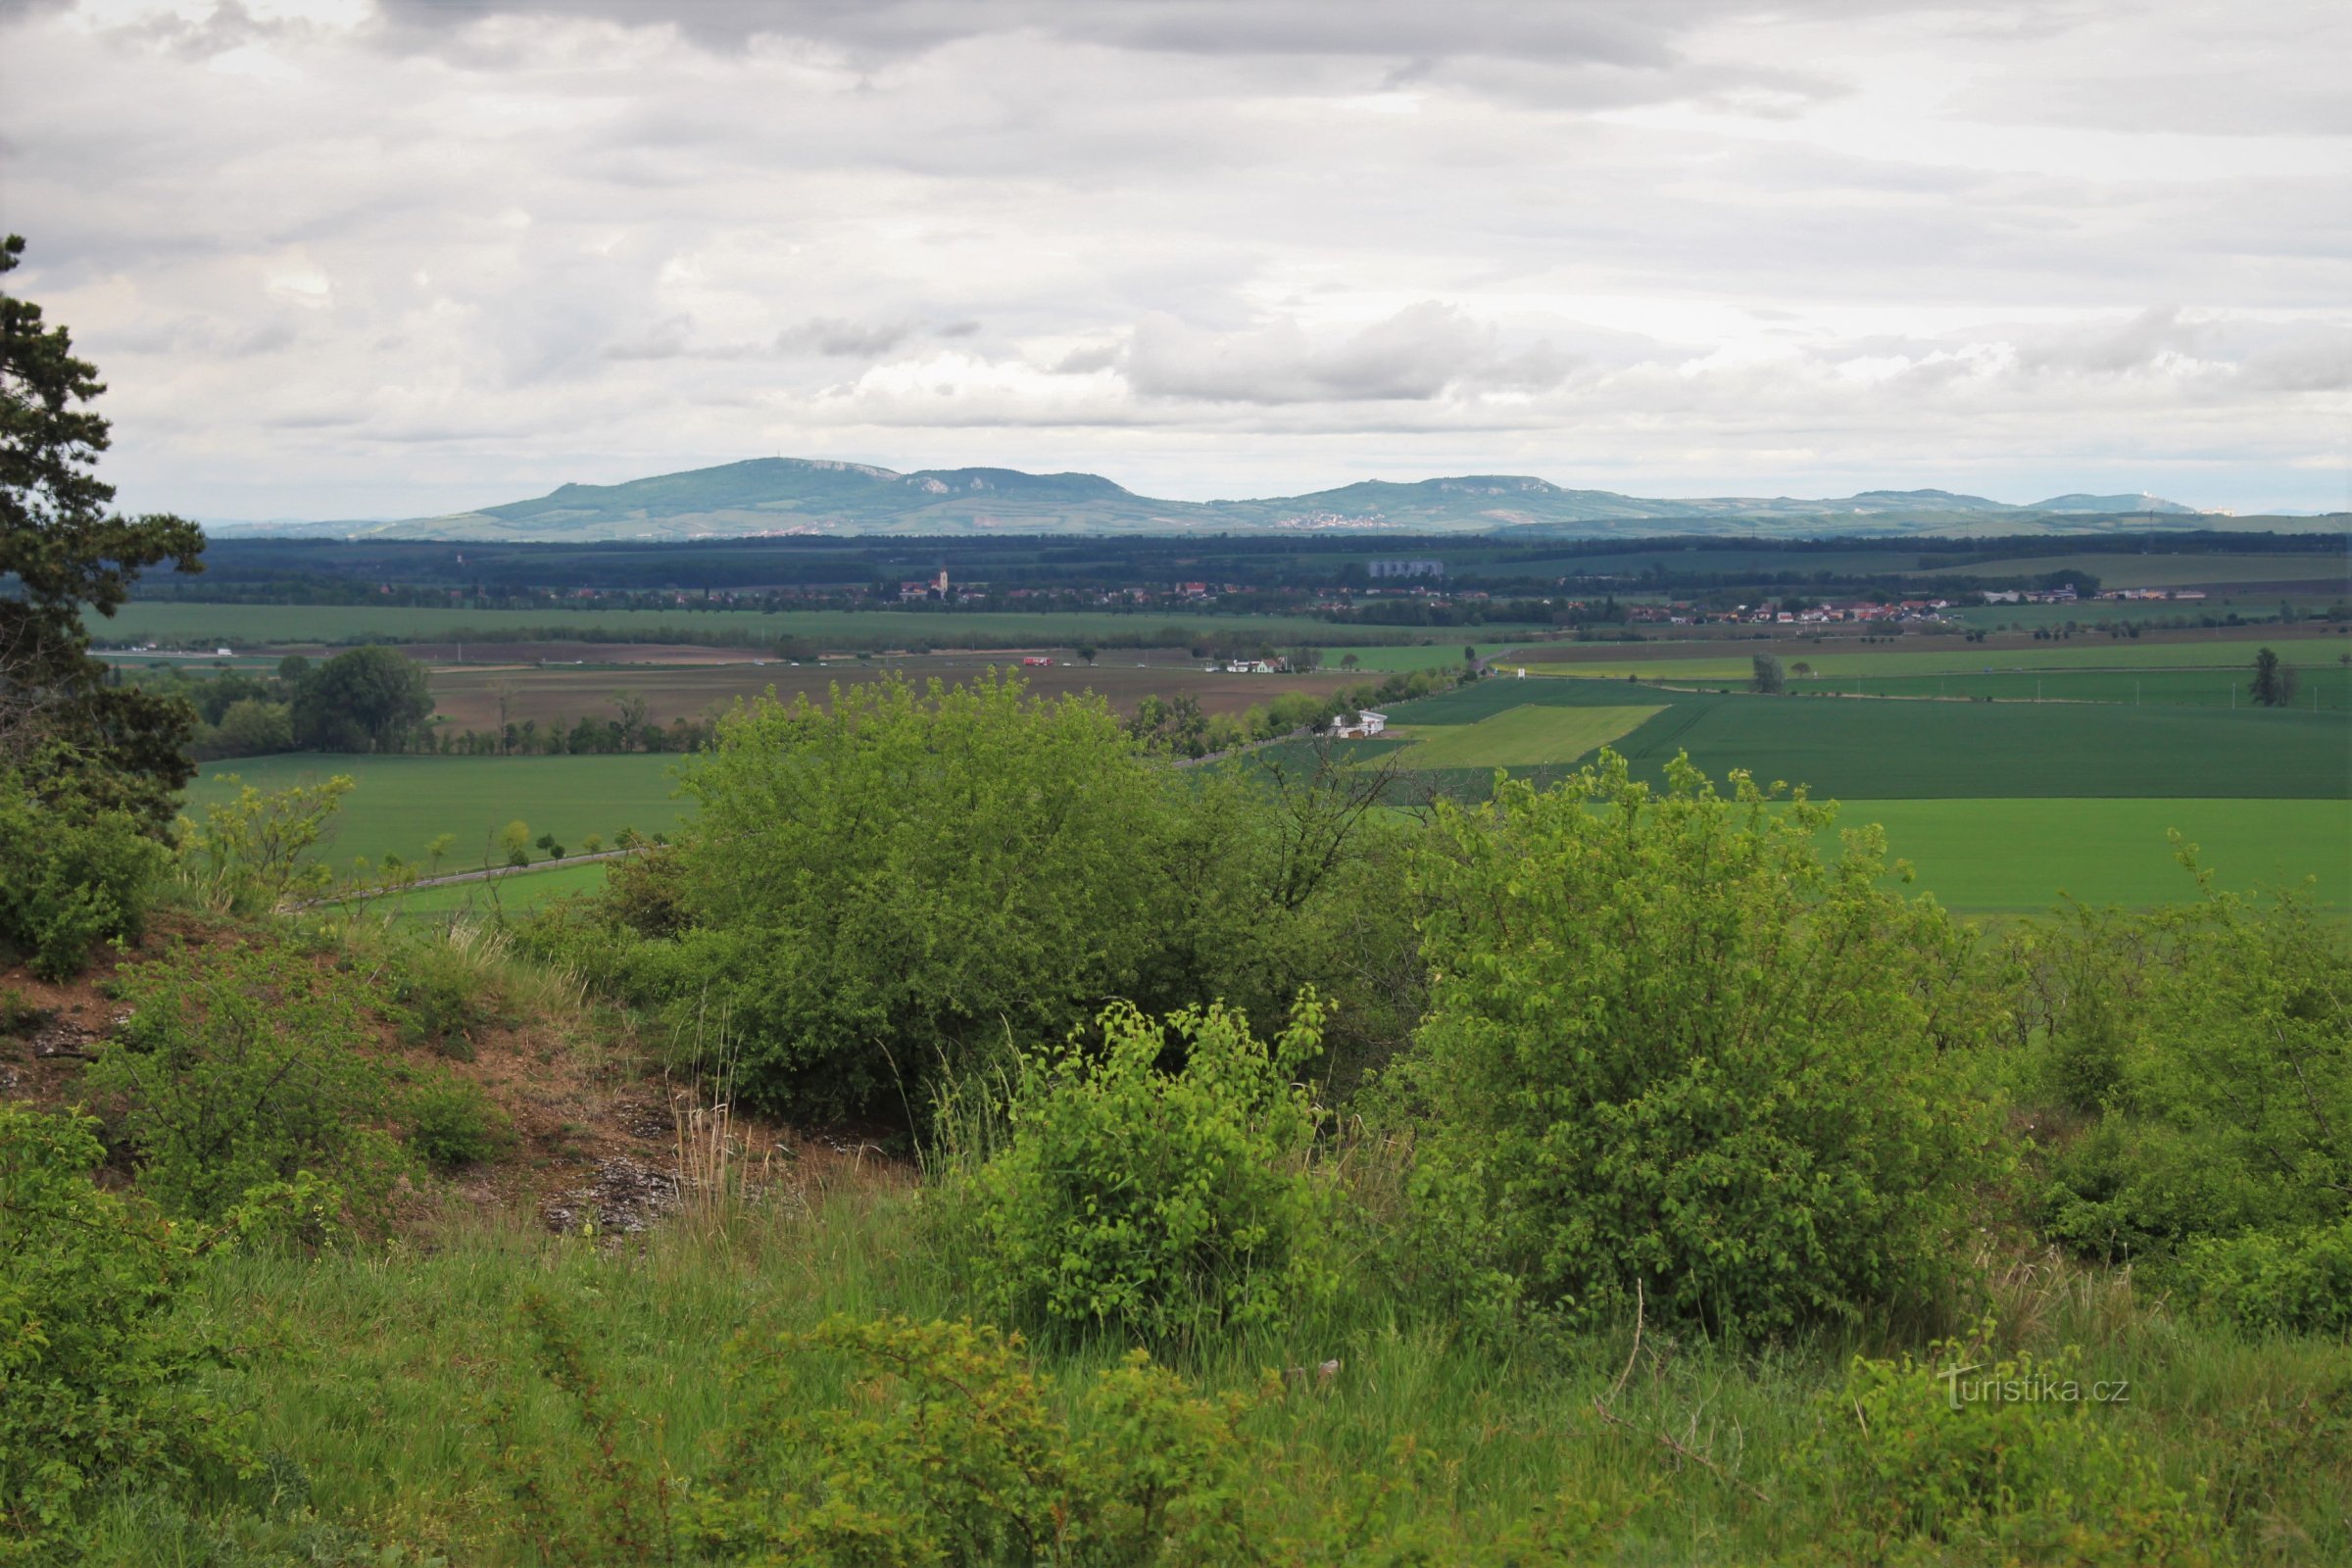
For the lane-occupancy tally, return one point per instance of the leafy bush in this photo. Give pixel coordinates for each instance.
(2227, 1104)
(99, 1379)
(252, 853)
(1965, 1457)
(78, 874)
(243, 1066)
(1166, 1203)
(1671, 1045)
(889, 883)
(452, 1123)
(2296, 1281)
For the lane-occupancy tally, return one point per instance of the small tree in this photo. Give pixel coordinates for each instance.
(1767, 677)
(1087, 652)
(256, 851)
(1350, 661)
(515, 842)
(2273, 679)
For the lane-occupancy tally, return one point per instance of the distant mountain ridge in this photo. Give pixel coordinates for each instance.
(797, 495)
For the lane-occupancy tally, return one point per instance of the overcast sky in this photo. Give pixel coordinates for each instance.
(389, 258)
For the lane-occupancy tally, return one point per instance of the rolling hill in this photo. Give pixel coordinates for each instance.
(793, 495)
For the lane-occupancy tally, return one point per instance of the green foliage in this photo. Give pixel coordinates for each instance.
(78, 872)
(2293, 1280)
(954, 1454)
(894, 885)
(452, 1123)
(2223, 1035)
(365, 700)
(1765, 675)
(241, 1066)
(61, 553)
(515, 842)
(1671, 1045)
(1966, 1458)
(442, 991)
(100, 1380)
(1156, 1202)
(251, 854)
(2274, 683)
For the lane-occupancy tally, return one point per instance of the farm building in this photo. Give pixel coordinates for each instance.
(1362, 726)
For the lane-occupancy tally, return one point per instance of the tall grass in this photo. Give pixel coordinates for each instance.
(370, 1370)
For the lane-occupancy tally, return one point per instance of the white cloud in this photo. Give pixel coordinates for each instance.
(387, 259)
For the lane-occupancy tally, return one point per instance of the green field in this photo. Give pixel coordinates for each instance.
(2327, 688)
(1868, 750)
(1940, 656)
(244, 625)
(1533, 735)
(402, 802)
(506, 895)
(2020, 854)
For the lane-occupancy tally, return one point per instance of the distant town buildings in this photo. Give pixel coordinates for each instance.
(1406, 569)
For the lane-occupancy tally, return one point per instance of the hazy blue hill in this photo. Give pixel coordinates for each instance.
(779, 495)
(2112, 504)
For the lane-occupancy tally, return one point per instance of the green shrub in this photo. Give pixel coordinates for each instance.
(100, 1380)
(19, 1015)
(1670, 1045)
(889, 883)
(2296, 1281)
(442, 991)
(241, 1066)
(1964, 1458)
(452, 1123)
(951, 1453)
(76, 875)
(2231, 1082)
(253, 853)
(1157, 1202)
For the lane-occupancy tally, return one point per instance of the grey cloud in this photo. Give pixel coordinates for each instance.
(1415, 353)
(838, 339)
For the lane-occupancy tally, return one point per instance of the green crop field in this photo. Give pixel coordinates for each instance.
(1937, 656)
(1917, 749)
(2327, 688)
(1529, 736)
(401, 804)
(2021, 855)
(244, 625)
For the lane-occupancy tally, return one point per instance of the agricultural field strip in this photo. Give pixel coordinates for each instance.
(1928, 750)
(2327, 688)
(1528, 736)
(1960, 659)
